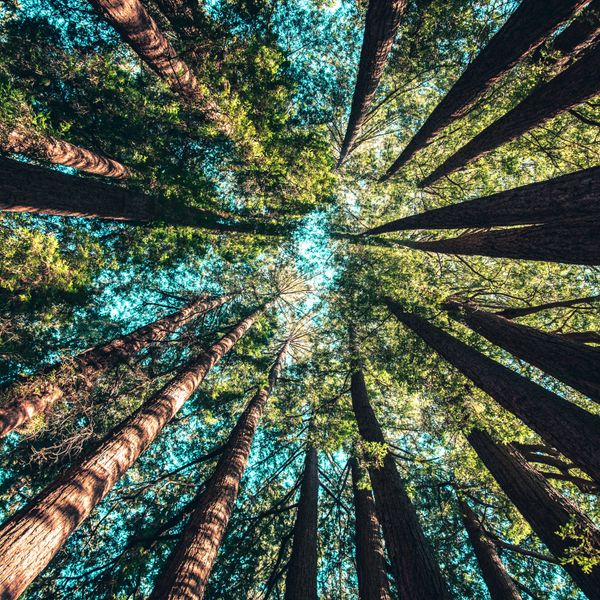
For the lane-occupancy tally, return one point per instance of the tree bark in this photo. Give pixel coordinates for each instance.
(186, 573)
(542, 506)
(37, 393)
(31, 537)
(565, 426)
(301, 579)
(381, 25)
(370, 559)
(498, 582)
(583, 337)
(513, 313)
(571, 87)
(572, 196)
(525, 30)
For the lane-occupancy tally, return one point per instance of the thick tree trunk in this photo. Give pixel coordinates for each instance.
(188, 569)
(382, 22)
(565, 426)
(498, 582)
(370, 559)
(530, 24)
(37, 393)
(572, 196)
(541, 505)
(575, 364)
(578, 83)
(301, 579)
(414, 567)
(514, 313)
(31, 537)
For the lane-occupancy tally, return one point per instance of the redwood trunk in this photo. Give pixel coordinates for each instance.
(513, 313)
(301, 579)
(31, 537)
(38, 393)
(578, 83)
(542, 506)
(530, 24)
(382, 22)
(565, 426)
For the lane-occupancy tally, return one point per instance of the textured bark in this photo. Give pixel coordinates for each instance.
(513, 313)
(301, 579)
(370, 559)
(413, 564)
(541, 505)
(530, 24)
(498, 582)
(37, 393)
(30, 538)
(583, 337)
(565, 426)
(382, 22)
(570, 196)
(571, 87)
(187, 571)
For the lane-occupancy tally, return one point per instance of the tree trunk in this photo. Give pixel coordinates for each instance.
(37, 393)
(578, 83)
(529, 25)
(382, 22)
(414, 567)
(565, 426)
(582, 337)
(301, 579)
(572, 196)
(575, 364)
(31, 537)
(498, 582)
(572, 242)
(370, 559)
(186, 573)
(541, 506)
(513, 313)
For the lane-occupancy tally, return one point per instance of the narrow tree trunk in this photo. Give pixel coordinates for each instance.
(572, 196)
(37, 393)
(541, 505)
(31, 537)
(530, 24)
(575, 364)
(498, 582)
(582, 337)
(513, 313)
(370, 559)
(578, 83)
(381, 25)
(301, 579)
(565, 426)
(187, 571)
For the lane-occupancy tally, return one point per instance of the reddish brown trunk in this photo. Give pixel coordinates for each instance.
(370, 559)
(381, 25)
(578, 83)
(541, 505)
(498, 582)
(513, 313)
(565, 426)
(188, 569)
(30, 538)
(530, 24)
(38, 393)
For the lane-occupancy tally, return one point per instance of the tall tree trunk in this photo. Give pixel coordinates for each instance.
(414, 567)
(37, 393)
(381, 25)
(186, 573)
(370, 559)
(570, 429)
(572, 242)
(301, 579)
(498, 582)
(529, 25)
(31, 537)
(570, 196)
(575, 364)
(513, 313)
(583, 337)
(578, 83)
(542, 506)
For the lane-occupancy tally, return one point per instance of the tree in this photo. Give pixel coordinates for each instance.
(513, 313)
